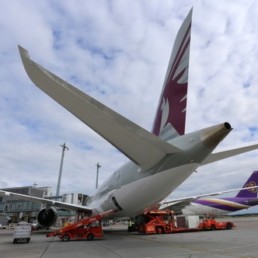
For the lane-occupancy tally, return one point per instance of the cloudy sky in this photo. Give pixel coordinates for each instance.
(117, 52)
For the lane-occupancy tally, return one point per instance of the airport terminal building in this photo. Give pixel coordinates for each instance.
(17, 209)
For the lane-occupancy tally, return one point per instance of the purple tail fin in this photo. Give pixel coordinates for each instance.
(171, 112)
(252, 181)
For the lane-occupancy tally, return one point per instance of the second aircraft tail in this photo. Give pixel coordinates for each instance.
(252, 181)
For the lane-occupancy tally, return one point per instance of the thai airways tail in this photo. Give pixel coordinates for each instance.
(249, 193)
(170, 116)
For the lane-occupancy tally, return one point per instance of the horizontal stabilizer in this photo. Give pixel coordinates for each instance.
(139, 145)
(228, 153)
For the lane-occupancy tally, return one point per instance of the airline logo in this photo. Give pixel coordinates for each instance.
(251, 184)
(171, 113)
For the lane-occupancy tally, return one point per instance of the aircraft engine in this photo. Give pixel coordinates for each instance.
(47, 217)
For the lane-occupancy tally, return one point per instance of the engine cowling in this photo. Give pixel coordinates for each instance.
(47, 217)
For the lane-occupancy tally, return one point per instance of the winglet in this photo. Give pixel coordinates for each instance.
(23, 52)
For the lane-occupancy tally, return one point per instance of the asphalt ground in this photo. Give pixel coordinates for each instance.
(241, 241)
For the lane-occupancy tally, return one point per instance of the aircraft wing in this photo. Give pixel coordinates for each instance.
(228, 153)
(178, 204)
(46, 202)
(139, 145)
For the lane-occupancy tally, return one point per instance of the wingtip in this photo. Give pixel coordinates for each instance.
(23, 52)
(190, 13)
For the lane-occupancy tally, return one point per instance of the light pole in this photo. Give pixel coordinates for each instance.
(64, 147)
(97, 177)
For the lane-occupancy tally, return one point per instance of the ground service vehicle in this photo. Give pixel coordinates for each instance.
(209, 223)
(22, 232)
(88, 232)
(86, 228)
(161, 222)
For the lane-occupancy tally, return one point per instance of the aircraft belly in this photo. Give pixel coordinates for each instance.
(134, 197)
(197, 209)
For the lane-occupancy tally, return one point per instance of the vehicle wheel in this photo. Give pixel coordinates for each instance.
(14, 241)
(229, 226)
(28, 240)
(65, 238)
(213, 227)
(90, 237)
(159, 230)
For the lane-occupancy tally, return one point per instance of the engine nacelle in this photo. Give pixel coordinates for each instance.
(47, 217)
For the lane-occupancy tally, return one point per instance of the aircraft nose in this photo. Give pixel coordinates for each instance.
(211, 136)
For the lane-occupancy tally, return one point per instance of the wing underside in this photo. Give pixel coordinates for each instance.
(46, 202)
(228, 153)
(139, 145)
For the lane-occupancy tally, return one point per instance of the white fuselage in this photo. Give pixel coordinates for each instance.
(198, 209)
(130, 190)
(136, 196)
(201, 209)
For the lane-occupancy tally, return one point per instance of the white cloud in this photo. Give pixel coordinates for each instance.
(117, 51)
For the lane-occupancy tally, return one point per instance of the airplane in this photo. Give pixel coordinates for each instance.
(159, 161)
(218, 206)
(200, 205)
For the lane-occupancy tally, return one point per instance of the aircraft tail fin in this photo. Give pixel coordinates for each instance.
(252, 181)
(170, 116)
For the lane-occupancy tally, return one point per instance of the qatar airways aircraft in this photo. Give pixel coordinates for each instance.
(159, 160)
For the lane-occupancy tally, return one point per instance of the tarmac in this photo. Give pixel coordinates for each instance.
(242, 241)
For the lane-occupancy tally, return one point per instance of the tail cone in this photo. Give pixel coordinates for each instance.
(213, 135)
